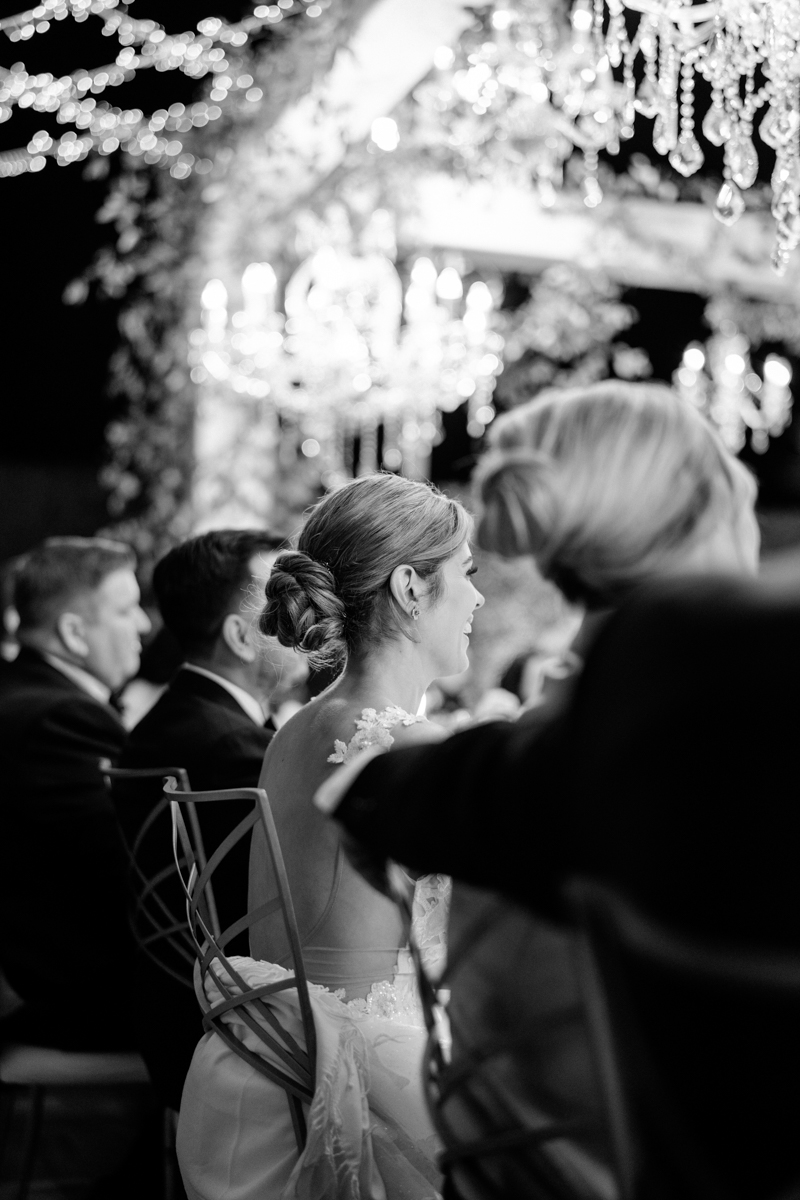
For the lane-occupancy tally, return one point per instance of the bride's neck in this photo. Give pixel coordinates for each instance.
(392, 674)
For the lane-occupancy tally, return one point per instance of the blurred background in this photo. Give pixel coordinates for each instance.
(248, 256)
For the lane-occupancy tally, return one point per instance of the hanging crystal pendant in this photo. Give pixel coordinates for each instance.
(786, 174)
(664, 134)
(616, 37)
(648, 99)
(597, 132)
(785, 203)
(780, 260)
(741, 158)
(729, 204)
(789, 232)
(766, 130)
(687, 157)
(785, 125)
(592, 192)
(716, 126)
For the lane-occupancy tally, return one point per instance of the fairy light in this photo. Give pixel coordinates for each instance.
(215, 49)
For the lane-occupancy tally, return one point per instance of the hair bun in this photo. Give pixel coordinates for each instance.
(517, 491)
(303, 609)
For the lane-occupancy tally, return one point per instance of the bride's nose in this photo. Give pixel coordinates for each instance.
(480, 599)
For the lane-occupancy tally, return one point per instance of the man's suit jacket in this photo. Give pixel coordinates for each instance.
(671, 774)
(196, 724)
(63, 928)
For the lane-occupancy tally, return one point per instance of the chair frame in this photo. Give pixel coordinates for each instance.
(298, 1080)
(151, 920)
(441, 1078)
(607, 924)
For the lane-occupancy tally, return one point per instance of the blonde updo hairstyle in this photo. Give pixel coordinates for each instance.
(606, 486)
(330, 598)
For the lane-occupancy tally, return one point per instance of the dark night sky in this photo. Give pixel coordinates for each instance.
(56, 358)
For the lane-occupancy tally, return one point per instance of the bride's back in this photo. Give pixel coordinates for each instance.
(333, 598)
(350, 933)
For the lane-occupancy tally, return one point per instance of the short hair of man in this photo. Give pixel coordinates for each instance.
(62, 570)
(196, 583)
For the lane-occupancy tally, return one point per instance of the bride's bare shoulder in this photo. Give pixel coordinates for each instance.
(318, 723)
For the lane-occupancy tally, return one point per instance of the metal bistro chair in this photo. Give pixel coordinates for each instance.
(523, 1158)
(156, 909)
(698, 1049)
(297, 1077)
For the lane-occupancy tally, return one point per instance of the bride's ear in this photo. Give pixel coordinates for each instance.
(406, 587)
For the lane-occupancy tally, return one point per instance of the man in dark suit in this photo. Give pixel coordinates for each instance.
(211, 718)
(670, 775)
(64, 942)
(210, 721)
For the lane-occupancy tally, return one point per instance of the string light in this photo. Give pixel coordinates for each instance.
(217, 48)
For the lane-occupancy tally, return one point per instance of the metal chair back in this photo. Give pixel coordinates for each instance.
(698, 1049)
(156, 909)
(492, 1150)
(297, 1073)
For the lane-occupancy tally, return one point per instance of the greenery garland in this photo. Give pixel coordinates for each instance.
(159, 221)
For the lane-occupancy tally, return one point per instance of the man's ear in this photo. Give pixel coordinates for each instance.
(72, 631)
(237, 635)
(406, 586)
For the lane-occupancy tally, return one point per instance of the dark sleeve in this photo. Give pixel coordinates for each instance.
(63, 749)
(236, 759)
(482, 806)
(63, 861)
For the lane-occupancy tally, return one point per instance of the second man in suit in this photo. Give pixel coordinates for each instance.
(211, 722)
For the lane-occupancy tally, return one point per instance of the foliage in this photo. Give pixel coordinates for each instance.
(762, 322)
(563, 335)
(159, 221)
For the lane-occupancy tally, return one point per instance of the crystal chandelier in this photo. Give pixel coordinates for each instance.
(720, 380)
(529, 88)
(350, 364)
(747, 50)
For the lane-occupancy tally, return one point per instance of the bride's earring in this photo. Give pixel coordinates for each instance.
(414, 612)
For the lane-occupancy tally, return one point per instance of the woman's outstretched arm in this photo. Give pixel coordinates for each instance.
(482, 806)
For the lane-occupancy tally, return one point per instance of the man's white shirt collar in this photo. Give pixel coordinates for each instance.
(248, 702)
(88, 683)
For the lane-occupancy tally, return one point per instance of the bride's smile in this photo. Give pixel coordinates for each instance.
(446, 621)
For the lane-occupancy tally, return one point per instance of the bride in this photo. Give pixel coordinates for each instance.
(381, 584)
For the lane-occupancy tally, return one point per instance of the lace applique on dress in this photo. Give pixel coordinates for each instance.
(373, 728)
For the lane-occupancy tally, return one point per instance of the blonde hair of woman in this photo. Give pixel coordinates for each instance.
(609, 485)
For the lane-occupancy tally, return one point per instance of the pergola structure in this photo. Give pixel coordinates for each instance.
(636, 241)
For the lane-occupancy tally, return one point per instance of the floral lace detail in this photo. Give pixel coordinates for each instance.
(391, 1000)
(430, 916)
(372, 729)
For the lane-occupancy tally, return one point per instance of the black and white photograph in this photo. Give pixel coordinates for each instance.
(400, 596)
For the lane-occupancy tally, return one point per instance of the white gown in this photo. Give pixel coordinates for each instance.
(369, 1133)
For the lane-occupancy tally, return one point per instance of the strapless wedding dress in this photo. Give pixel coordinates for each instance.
(369, 1133)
